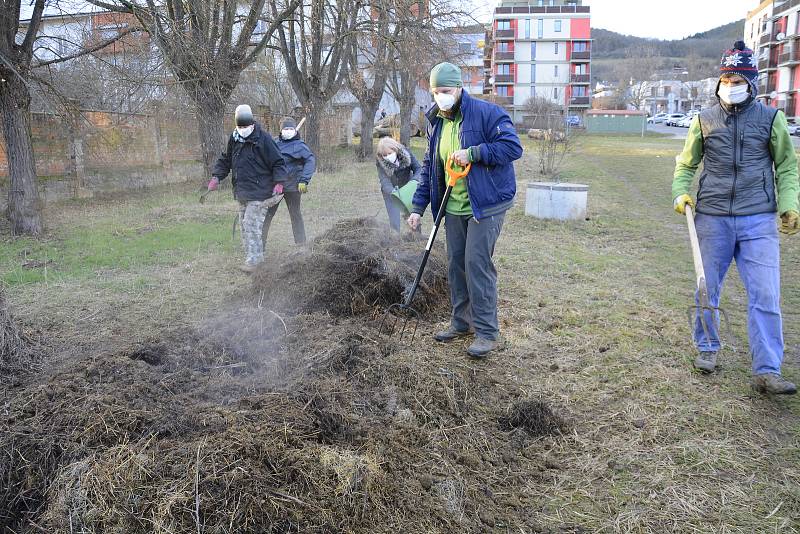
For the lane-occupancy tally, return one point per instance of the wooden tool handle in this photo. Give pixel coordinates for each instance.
(698, 258)
(300, 124)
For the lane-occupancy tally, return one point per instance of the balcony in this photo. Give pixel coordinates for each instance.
(504, 34)
(767, 64)
(784, 7)
(581, 56)
(500, 79)
(580, 101)
(790, 107)
(789, 58)
(764, 88)
(579, 78)
(504, 56)
(503, 100)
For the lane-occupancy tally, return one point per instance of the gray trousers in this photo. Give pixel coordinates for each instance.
(471, 273)
(292, 201)
(251, 219)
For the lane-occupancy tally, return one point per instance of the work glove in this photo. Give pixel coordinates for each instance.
(302, 187)
(790, 222)
(413, 220)
(680, 203)
(213, 184)
(278, 189)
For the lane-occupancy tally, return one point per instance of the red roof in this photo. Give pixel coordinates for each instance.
(614, 112)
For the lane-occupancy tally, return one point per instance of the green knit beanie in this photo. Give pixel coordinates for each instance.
(445, 75)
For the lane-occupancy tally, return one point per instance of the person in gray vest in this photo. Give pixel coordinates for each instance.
(749, 175)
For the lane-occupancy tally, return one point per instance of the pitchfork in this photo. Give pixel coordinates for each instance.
(403, 310)
(703, 305)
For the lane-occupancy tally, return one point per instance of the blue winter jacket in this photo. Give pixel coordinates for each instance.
(491, 184)
(300, 161)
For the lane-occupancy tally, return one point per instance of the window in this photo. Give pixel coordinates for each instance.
(533, 51)
(540, 29)
(465, 48)
(527, 28)
(555, 48)
(502, 47)
(579, 91)
(555, 93)
(503, 24)
(580, 46)
(555, 71)
(504, 69)
(533, 73)
(502, 90)
(558, 26)
(541, 3)
(581, 68)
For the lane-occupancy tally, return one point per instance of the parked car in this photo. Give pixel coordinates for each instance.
(794, 129)
(673, 118)
(573, 120)
(658, 118)
(686, 121)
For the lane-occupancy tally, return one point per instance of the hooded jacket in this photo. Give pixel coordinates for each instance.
(392, 175)
(749, 162)
(300, 161)
(256, 165)
(491, 184)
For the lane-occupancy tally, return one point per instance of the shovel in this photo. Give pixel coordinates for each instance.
(703, 305)
(403, 310)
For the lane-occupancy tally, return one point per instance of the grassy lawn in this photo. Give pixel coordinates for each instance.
(593, 312)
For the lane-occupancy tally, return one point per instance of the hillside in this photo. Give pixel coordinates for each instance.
(698, 53)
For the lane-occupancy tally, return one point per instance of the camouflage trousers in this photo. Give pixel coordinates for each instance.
(251, 220)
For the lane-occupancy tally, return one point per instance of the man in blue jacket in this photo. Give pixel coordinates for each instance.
(258, 177)
(478, 132)
(300, 166)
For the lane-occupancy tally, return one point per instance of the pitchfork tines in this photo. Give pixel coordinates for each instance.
(400, 312)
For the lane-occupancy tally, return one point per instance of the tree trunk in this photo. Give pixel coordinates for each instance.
(311, 129)
(24, 208)
(368, 110)
(407, 110)
(210, 126)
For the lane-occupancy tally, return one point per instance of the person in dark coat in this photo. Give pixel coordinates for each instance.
(300, 166)
(396, 167)
(259, 175)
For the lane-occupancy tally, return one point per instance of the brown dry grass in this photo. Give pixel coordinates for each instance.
(593, 316)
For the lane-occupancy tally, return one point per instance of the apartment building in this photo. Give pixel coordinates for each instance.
(539, 48)
(778, 55)
(755, 22)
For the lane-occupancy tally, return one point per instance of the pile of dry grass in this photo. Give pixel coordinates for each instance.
(356, 267)
(17, 350)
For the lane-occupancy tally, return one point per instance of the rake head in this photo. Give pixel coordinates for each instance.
(400, 317)
(720, 323)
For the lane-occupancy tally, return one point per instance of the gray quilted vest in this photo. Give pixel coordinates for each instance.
(738, 176)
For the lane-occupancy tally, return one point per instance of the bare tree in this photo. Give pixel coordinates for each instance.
(371, 54)
(315, 45)
(555, 140)
(207, 46)
(635, 73)
(18, 37)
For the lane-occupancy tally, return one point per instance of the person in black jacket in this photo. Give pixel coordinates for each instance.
(396, 167)
(259, 174)
(300, 166)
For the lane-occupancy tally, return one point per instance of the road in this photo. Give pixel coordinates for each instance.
(680, 133)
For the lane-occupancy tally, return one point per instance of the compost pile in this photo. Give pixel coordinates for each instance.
(354, 268)
(269, 422)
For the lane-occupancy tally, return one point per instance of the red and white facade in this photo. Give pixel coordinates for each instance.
(540, 48)
(779, 57)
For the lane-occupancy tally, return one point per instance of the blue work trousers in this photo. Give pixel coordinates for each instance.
(751, 240)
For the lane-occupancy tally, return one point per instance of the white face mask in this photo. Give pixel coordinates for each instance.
(445, 101)
(391, 157)
(733, 94)
(288, 133)
(245, 131)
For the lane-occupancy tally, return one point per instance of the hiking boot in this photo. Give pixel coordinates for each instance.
(706, 362)
(773, 384)
(451, 334)
(481, 347)
(247, 268)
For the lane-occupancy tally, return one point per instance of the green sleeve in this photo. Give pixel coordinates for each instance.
(782, 150)
(687, 162)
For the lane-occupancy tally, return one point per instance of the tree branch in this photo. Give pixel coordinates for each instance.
(89, 50)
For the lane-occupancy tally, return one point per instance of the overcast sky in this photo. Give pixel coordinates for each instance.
(673, 19)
